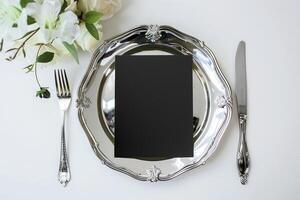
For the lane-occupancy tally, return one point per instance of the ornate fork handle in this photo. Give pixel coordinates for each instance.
(243, 160)
(64, 175)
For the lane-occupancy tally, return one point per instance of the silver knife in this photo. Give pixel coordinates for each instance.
(241, 97)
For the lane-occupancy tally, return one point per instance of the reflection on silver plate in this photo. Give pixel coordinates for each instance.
(212, 107)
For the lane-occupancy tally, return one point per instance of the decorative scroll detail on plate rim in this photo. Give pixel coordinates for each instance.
(223, 101)
(153, 33)
(153, 174)
(83, 101)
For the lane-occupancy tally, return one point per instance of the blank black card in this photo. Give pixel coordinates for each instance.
(153, 106)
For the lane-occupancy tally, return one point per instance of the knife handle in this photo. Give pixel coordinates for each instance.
(243, 160)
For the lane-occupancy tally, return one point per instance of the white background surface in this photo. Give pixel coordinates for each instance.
(30, 131)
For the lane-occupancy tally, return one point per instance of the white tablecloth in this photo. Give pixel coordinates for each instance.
(30, 127)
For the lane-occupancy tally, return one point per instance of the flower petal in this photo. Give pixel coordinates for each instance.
(85, 40)
(68, 28)
(45, 14)
(107, 7)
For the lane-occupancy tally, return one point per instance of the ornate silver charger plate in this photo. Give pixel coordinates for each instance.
(212, 107)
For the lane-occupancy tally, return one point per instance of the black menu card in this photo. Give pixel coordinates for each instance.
(153, 106)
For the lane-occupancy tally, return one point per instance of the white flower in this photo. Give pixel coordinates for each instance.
(85, 40)
(46, 15)
(107, 7)
(9, 13)
(52, 25)
(68, 29)
(23, 26)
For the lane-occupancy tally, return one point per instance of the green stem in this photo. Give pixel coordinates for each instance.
(36, 62)
(35, 66)
(23, 43)
(1, 44)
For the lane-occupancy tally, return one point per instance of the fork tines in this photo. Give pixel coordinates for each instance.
(61, 83)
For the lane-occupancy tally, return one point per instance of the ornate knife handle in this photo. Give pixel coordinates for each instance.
(243, 160)
(64, 175)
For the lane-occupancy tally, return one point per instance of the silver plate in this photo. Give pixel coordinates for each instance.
(211, 100)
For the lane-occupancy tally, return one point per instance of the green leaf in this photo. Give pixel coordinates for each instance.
(45, 57)
(92, 17)
(43, 93)
(92, 30)
(24, 3)
(30, 20)
(29, 68)
(72, 49)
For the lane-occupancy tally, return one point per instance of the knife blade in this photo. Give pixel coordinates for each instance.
(241, 78)
(243, 161)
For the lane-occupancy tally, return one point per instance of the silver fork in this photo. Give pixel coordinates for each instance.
(64, 100)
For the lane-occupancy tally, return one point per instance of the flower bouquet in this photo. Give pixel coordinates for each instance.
(41, 30)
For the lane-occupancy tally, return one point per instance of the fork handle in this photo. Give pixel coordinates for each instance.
(64, 175)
